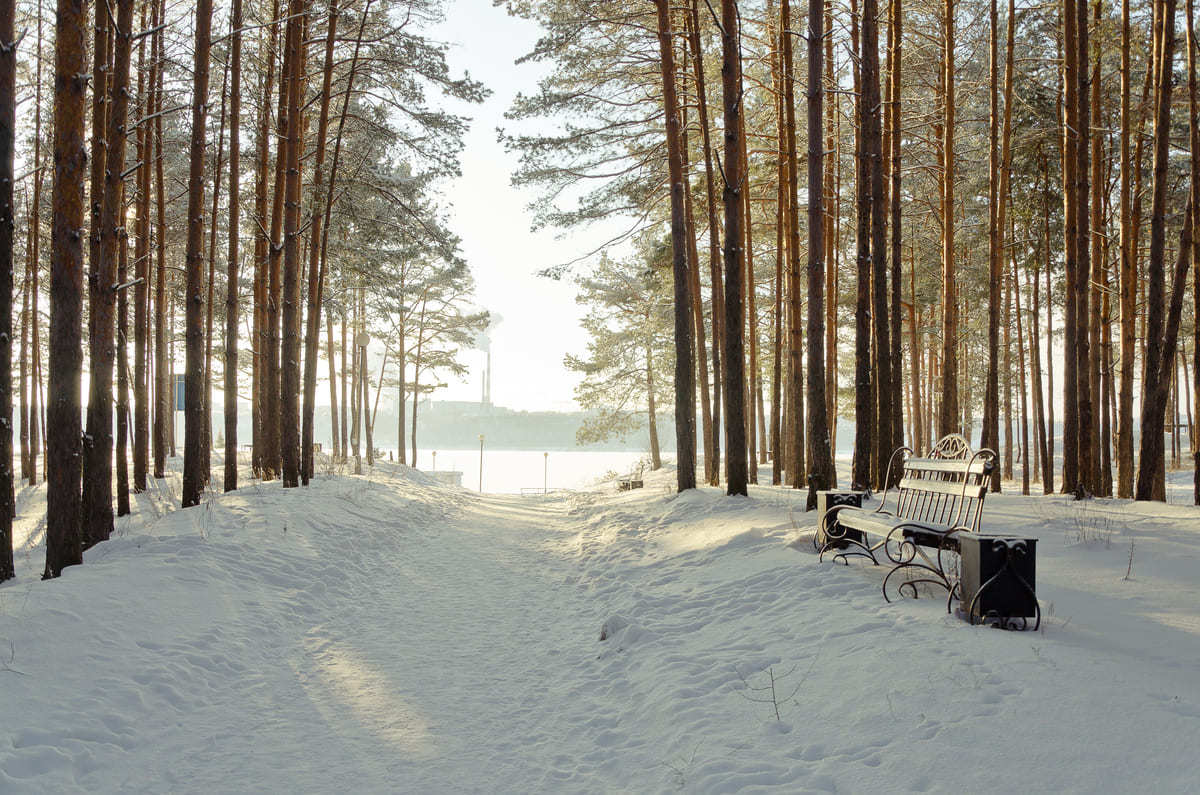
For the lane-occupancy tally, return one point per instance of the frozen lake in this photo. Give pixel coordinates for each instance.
(509, 471)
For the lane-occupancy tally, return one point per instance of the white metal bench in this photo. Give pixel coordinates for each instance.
(936, 498)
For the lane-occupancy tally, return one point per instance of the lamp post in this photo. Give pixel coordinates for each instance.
(435, 461)
(546, 473)
(481, 463)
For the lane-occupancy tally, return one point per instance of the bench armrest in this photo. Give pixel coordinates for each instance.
(887, 480)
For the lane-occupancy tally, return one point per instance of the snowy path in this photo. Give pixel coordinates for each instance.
(385, 634)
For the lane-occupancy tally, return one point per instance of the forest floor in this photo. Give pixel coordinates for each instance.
(383, 633)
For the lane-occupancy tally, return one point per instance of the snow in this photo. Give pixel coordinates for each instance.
(385, 633)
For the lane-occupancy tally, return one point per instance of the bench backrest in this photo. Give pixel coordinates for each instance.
(947, 487)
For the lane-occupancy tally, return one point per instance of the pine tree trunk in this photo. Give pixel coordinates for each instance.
(833, 225)
(98, 443)
(1085, 275)
(781, 243)
(883, 443)
(821, 455)
(712, 469)
(1128, 277)
(194, 403)
(315, 262)
(895, 31)
(368, 431)
(1098, 267)
(948, 421)
(63, 447)
(990, 437)
(347, 398)
(335, 443)
(271, 408)
(706, 418)
(207, 440)
(1194, 124)
(795, 388)
(751, 324)
(164, 407)
(734, 184)
(141, 269)
(865, 436)
(289, 383)
(122, 445)
(262, 245)
(232, 260)
(1024, 387)
(8, 131)
(1150, 459)
(1008, 426)
(685, 388)
(652, 413)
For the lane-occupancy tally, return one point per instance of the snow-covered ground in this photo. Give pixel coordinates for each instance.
(386, 634)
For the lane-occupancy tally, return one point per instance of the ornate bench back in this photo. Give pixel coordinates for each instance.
(947, 487)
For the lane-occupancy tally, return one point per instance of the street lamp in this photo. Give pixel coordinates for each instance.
(435, 460)
(481, 463)
(546, 473)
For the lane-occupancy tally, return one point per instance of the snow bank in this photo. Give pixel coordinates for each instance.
(384, 633)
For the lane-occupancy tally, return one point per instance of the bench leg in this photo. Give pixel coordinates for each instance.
(867, 552)
(930, 571)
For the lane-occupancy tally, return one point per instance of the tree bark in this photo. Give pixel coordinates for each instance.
(865, 435)
(141, 270)
(315, 261)
(1128, 279)
(289, 384)
(232, 260)
(164, 417)
(712, 469)
(8, 125)
(685, 388)
(97, 509)
(1085, 273)
(734, 183)
(63, 502)
(895, 32)
(990, 437)
(1154, 378)
(948, 421)
(194, 403)
(873, 149)
(821, 455)
(122, 444)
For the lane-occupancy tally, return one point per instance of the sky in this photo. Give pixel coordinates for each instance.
(539, 319)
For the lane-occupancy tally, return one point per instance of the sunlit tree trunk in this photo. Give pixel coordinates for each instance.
(289, 365)
(98, 443)
(1155, 376)
(1127, 280)
(820, 446)
(63, 536)
(865, 436)
(232, 263)
(685, 388)
(194, 403)
(141, 270)
(163, 399)
(315, 264)
(8, 125)
(948, 421)
(712, 469)
(734, 184)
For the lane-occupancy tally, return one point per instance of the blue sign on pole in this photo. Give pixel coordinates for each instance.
(179, 382)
